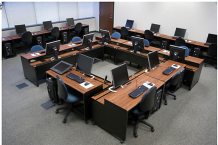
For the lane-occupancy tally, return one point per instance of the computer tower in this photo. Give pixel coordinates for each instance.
(158, 99)
(39, 40)
(8, 49)
(196, 52)
(52, 89)
(181, 79)
(86, 30)
(64, 37)
(164, 45)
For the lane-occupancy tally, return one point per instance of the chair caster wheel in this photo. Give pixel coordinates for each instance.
(135, 135)
(152, 130)
(87, 122)
(205, 65)
(121, 141)
(56, 111)
(165, 103)
(174, 98)
(93, 123)
(64, 121)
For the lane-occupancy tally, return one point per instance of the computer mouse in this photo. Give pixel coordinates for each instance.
(150, 84)
(86, 83)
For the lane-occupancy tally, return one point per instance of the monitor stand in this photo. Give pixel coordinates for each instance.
(110, 89)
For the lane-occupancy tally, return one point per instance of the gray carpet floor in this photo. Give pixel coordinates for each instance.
(191, 119)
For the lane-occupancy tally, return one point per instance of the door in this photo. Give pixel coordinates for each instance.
(107, 16)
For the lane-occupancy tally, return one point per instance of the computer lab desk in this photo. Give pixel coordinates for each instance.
(33, 70)
(87, 93)
(111, 109)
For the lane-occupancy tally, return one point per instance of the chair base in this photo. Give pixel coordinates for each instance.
(70, 109)
(165, 98)
(211, 62)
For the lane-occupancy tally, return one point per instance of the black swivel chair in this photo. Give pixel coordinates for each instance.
(125, 33)
(26, 39)
(172, 86)
(212, 52)
(77, 29)
(144, 108)
(180, 42)
(149, 35)
(53, 35)
(68, 95)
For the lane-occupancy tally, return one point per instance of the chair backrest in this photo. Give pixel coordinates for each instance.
(146, 42)
(175, 80)
(149, 35)
(180, 42)
(55, 32)
(212, 50)
(124, 31)
(36, 48)
(147, 101)
(62, 89)
(186, 50)
(26, 36)
(75, 39)
(116, 35)
(78, 27)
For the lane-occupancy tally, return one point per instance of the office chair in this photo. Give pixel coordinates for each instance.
(116, 35)
(212, 52)
(69, 96)
(146, 42)
(75, 39)
(149, 35)
(180, 42)
(144, 108)
(54, 33)
(26, 39)
(172, 85)
(186, 50)
(77, 29)
(125, 33)
(36, 48)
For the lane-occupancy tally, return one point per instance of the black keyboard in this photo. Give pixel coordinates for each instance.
(175, 37)
(169, 70)
(137, 92)
(207, 44)
(78, 42)
(75, 78)
(72, 25)
(42, 51)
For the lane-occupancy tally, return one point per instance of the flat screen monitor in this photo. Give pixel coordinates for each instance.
(211, 38)
(119, 75)
(153, 59)
(84, 64)
(177, 53)
(20, 29)
(52, 48)
(129, 23)
(61, 67)
(70, 21)
(155, 28)
(180, 32)
(105, 36)
(87, 40)
(47, 25)
(137, 44)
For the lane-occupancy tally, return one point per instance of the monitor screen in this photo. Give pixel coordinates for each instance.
(105, 35)
(84, 64)
(153, 59)
(180, 32)
(61, 67)
(87, 39)
(70, 21)
(119, 75)
(20, 29)
(211, 38)
(47, 25)
(137, 44)
(155, 28)
(50, 47)
(129, 23)
(177, 53)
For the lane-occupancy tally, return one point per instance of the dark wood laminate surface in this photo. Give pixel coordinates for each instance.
(150, 48)
(200, 44)
(6, 39)
(33, 34)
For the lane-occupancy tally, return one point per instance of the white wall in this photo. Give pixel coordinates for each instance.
(96, 14)
(198, 18)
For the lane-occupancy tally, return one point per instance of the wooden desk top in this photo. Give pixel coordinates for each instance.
(150, 48)
(157, 72)
(125, 49)
(33, 34)
(200, 44)
(113, 45)
(6, 39)
(114, 40)
(186, 40)
(121, 97)
(73, 84)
